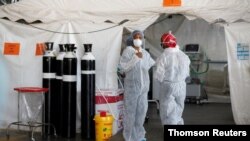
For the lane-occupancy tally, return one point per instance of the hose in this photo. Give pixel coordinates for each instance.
(109, 107)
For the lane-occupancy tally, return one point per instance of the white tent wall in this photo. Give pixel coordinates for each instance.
(162, 25)
(116, 10)
(26, 68)
(64, 16)
(141, 24)
(210, 37)
(4, 90)
(239, 70)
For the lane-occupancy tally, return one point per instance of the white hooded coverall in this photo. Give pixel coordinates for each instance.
(136, 85)
(172, 68)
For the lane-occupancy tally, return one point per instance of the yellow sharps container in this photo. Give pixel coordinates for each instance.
(103, 126)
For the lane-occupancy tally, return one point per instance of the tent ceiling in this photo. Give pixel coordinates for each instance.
(116, 11)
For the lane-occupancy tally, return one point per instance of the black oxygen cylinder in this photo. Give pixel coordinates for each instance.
(88, 93)
(69, 92)
(59, 83)
(49, 81)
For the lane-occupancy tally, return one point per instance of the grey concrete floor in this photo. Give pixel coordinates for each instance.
(204, 114)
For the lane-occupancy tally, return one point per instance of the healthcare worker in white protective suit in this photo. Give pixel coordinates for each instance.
(172, 68)
(135, 63)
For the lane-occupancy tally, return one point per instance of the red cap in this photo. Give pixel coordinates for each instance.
(102, 114)
(168, 39)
